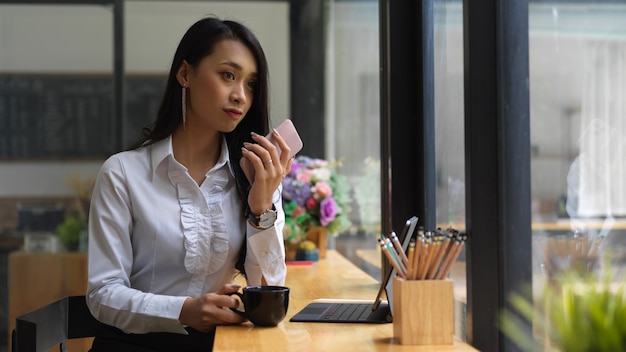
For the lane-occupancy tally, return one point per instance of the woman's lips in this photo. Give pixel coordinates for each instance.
(234, 113)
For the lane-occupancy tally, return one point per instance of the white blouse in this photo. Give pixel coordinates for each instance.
(156, 238)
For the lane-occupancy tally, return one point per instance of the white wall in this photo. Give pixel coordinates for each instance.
(63, 38)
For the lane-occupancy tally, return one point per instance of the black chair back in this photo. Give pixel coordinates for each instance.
(53, 324)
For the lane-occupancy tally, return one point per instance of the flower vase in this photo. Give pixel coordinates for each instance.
(290, 251)
(318, 236)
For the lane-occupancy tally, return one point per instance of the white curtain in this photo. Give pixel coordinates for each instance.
(597, 178)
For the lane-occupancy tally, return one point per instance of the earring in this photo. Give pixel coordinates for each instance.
(184, 106)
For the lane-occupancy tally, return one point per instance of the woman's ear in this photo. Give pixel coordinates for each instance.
(182, 75)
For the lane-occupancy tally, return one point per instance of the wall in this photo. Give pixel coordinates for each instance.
(63, 38)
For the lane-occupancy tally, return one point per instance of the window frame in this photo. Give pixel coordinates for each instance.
(497, 145)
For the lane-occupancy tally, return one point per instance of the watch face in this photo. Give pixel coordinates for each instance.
(267, 219)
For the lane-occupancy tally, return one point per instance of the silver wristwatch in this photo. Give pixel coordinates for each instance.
(265, 220)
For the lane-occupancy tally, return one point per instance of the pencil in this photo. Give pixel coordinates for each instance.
(441, 248)
(425, 257)
(431, 248)
(398, 246)
(453, 256)
(448, 261)
(409, 270)
(448, 243)
(418, 254)
(395, 255)
(434, 250)
(393, 263)
(453, 238)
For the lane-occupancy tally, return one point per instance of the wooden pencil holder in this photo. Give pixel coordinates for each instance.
(423, 311)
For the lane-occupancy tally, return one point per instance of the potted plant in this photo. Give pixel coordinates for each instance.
(69, 232)
(580, 313)
(73, 230)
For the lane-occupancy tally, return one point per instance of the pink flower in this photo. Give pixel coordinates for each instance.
(328, 211)
(304, 176)
(323, 190)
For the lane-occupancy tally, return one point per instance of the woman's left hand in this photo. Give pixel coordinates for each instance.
(269, 169)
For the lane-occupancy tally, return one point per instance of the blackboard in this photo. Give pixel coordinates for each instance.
(72, 116)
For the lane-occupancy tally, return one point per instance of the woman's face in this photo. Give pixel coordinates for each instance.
(221, 87)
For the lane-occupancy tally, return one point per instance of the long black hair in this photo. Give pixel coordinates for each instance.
(198, 42)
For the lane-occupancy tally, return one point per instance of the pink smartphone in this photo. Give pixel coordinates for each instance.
(287, 130)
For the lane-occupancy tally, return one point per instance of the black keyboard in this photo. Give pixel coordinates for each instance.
(349, 311)
(344, 312)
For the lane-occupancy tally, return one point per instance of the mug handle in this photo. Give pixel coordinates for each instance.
(241, 313)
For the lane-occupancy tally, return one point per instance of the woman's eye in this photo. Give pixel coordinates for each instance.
(228, 75)
(252, 85)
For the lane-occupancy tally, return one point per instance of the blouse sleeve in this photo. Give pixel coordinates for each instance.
(266, 250)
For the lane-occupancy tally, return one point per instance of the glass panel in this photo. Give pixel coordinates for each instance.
(577, 58)
(449, 137)
(578, 122)
(352, 116)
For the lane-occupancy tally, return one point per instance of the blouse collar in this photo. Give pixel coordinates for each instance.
(163, 150)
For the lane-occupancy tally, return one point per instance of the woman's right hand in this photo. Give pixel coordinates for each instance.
(204, 313)
(269, 169)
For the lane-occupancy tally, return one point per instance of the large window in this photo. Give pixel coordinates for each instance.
(577, 70)
(577, 60)
(352, 117)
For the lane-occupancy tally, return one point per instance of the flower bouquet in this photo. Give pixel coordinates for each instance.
(315, 195)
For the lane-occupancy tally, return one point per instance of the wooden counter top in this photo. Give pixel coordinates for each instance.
(333, 277)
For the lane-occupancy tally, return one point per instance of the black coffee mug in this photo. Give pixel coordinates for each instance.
(264, 305)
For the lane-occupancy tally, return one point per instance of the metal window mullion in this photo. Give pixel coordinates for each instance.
(497, 141)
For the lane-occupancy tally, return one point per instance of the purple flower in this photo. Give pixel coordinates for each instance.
(296, 191)
(295, 167)
(328, 211)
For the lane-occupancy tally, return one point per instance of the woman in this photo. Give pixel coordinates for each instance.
(174, 218)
